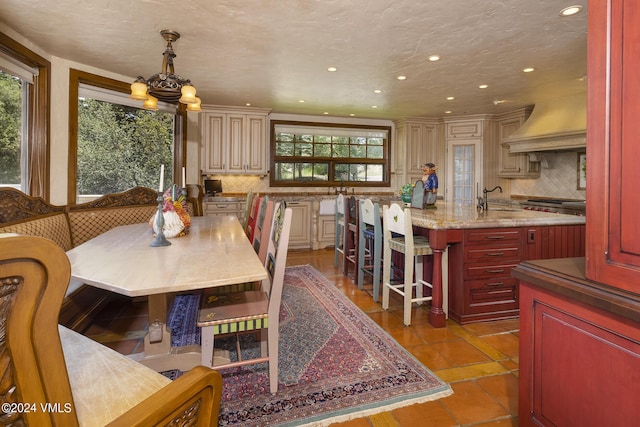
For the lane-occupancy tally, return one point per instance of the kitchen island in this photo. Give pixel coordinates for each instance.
(483, 246)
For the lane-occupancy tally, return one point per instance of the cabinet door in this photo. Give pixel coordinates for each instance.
(613, 148)
(213, 129)
(421, 141)
(464, 129)
(256, 144)
(236, 147)
(300, 234)
(514, 165)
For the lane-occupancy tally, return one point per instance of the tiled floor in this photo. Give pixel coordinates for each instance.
(479, 360)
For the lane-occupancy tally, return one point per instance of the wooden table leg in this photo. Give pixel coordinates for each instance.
(438, 243)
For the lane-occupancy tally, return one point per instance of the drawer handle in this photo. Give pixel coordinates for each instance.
(495, 254)
(293, 203)
(498, 270)
(495, 237)
(494, 284)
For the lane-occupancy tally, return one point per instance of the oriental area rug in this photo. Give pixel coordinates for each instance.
(335, 363)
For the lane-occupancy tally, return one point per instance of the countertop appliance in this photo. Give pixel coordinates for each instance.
(212, 187)
(563, 206)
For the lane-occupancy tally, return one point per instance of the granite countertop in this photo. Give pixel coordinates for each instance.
(450, 216)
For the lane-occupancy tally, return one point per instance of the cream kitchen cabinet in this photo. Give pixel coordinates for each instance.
(234, 140)
(300, 234)
(416, 141)
(464, 128)
(514, 165)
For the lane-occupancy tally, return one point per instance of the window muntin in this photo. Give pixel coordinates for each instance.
(329, 155)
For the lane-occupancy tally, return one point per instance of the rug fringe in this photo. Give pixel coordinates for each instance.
(373, 411)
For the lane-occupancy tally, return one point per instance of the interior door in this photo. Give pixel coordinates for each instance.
(464, 171)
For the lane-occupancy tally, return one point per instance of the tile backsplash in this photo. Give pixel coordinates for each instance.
(559, 179)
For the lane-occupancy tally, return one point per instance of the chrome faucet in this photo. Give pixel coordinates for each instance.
(484, 204)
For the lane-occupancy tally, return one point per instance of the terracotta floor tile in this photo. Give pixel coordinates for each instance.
(489, 328)
(429, 357)
(429, 414)
(510, 364)
(504, 389)
(503, 422)
(471, 404)
(358, 422)
(506, 343)
(386, 320)
(429, 334)
(405, 336)
(476, 370)
(460, 352)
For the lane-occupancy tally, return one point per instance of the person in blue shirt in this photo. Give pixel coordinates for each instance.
(430, 181)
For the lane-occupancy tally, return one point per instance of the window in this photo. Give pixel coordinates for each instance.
(24, 124)
(119, 145)
(316, 154)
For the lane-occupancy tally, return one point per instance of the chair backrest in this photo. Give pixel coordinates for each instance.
(247, 209)
(277, 257)
(351, 210)
(417, 198)
(257, 232)
(34, 275)
(369, 213)
(340, 205)
(397, 220)
(253, 217)
(265, 230)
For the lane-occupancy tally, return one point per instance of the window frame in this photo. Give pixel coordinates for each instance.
(386, 157)
(38, 113)
(76, 77)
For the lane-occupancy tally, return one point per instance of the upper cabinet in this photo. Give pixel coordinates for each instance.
(514, 165)
(416, 141)
(234, 140)
(613, 147)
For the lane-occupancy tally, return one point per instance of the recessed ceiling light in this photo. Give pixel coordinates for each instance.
(402, 77)
(377, 91)
(352, 114)
(326, 112)
(570, 10)
(301, 100)
(528, 69)
(483, 86)
(448, 112)
(374, 106)
(450, 98)
(332, 69)
(248, 104)
(434, 58)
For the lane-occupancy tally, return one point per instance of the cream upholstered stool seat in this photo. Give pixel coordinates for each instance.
(398, 236)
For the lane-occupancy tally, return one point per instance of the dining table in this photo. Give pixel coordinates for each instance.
(214, 252)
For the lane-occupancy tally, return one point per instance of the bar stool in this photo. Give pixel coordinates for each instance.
(340, 229)
(350, 246)
(370, 244)
(415, 248)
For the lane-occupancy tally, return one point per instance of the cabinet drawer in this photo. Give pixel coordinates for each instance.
(475, 271)
(483, 236)
(493, 295)
(220, 208)
(493, 254)
(464, 129)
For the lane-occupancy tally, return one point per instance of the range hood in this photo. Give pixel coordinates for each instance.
(554, 125)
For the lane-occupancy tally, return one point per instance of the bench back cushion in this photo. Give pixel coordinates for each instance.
(85, 225)
(53, 227)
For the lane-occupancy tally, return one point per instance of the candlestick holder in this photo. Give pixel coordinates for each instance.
(160, 240)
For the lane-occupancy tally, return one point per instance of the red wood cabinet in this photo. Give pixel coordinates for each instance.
(480, 282)
(579, 348)
(613, 143)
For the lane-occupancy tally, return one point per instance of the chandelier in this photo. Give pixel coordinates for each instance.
(166, 85)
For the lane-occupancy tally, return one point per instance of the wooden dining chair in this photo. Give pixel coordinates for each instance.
(350, 245)
(398, 237)
(251, 311)
(253, 217)
(38, 369)
(247, 210)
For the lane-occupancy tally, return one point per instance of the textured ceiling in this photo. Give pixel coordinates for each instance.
(273, 53)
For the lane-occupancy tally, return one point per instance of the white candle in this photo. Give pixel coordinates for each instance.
(161, 178)
(184, 177)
